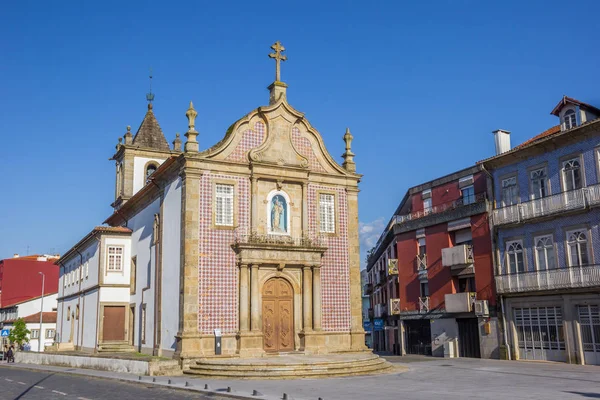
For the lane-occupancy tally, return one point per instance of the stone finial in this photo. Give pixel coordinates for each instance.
(128, 136)
(119, 144)
(191, 144)
(348, 156)
(177, 143)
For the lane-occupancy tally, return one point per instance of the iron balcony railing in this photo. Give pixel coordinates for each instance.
(305, 240)
(551, 279)
(557, 203)
(424, 304)
(440, 208)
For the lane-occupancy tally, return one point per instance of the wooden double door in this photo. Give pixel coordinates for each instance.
(278, 315)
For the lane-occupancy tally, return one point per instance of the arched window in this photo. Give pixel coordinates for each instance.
(544, 253)
(570, 120)
(150, 169)
(572, 174)
(515, 259)
(577, 244)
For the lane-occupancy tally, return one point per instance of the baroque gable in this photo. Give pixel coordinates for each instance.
(276, 135)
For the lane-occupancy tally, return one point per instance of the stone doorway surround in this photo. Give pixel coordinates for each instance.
(298, 260)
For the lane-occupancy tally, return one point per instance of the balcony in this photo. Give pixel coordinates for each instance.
(424, 304)
(464, 207)
(550, 205)
(459, 259)
(255, 248)
(561, 278)
(459, 302)
(421, 261)
(368, 289)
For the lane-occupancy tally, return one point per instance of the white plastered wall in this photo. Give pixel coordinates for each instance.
(139, 171)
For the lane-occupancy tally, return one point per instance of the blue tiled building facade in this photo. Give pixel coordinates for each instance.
(546, 234)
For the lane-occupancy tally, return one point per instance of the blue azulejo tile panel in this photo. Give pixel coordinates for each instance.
(558, 228)
(553, 161)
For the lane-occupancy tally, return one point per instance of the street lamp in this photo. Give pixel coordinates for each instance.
(41, 314)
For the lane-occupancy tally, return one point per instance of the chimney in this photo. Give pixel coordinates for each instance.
(502, 141)
(16, 255)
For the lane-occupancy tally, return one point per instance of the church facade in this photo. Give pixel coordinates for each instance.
(253, 240)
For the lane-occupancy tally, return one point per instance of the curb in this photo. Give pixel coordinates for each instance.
(146, 380)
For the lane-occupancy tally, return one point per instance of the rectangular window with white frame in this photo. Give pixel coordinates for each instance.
(50, 333)
(578, 247)
(224, 204)
(115, 259)
(35, 333)
(327, 212)
(545, 256)
(515, 257)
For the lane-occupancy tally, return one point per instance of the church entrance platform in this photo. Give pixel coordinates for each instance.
(292, 366)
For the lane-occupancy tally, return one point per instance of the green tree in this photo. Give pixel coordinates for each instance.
(18, 334)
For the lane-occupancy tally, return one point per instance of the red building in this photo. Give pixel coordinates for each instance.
(438, 243)
(20, 279)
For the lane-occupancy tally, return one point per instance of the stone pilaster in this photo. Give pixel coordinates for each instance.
(305, 208)
(244, 299)
(253, 204)
(254, 310)
(356, 327)
(188, 342)
(316, 293)
(307, 299)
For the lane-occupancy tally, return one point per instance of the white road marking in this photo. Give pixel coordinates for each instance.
(83, 398)
(38, 387)
(10, 380)
(56, 391)
(21, 383)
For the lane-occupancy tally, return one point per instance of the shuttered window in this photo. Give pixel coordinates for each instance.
(224, 205)
(327, 212)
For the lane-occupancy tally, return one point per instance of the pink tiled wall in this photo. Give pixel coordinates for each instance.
(304, 147)
(251, 138)
(335, 271)
(218, 274)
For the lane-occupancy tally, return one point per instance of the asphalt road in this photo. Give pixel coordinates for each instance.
(17, 384)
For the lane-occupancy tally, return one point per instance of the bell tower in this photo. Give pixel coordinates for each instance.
(138, 156)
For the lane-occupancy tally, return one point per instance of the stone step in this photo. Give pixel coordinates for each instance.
(264, 371)
(286, 367)
(270, 362)
(116, 348)
(274, 374)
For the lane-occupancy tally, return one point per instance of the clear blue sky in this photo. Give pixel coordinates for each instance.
(420, 84)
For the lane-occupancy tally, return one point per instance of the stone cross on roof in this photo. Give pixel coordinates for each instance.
(278, 48)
